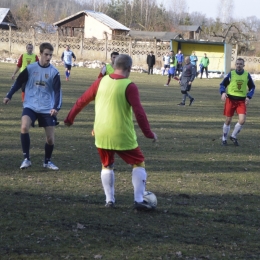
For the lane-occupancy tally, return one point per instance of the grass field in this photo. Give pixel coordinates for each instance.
(208, 195)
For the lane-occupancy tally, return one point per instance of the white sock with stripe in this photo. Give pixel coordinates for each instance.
(139, 181)
(226, 129)
(237, 129)
(108, 182)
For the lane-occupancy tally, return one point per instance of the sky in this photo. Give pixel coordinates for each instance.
(242, 8)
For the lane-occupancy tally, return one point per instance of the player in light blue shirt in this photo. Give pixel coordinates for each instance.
(66, 57)
(42, 102)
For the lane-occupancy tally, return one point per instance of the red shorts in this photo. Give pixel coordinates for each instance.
(234, 105)
(132, 157)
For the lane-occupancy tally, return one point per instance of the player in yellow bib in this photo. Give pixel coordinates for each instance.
(108, 68)
(236, 90)
(116, 99)
(24, 60)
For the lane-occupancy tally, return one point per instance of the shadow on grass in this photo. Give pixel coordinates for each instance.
(56, 225)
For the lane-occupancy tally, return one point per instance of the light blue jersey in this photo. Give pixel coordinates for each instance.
(42, 90)
(67, 57)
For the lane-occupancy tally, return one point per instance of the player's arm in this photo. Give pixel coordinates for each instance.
(21, 79)
(73, 56)
(88, 96)
(62, 56)
(193, 73)
(133, 98)
(223, 86)
(57, 92)
(18, 66)
(102, 72)
(251, 87)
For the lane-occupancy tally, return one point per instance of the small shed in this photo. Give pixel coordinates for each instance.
(219, 53)
(94, 25)
(7, 19)
(191, 32)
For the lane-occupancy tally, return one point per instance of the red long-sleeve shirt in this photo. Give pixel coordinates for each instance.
(132, 96)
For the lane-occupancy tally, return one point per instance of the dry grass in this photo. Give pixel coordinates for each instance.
(208, 195)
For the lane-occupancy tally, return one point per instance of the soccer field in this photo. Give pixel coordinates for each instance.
(208, 195)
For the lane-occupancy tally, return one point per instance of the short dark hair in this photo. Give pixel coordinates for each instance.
(46, 45)
(241, 59)
(114, 53)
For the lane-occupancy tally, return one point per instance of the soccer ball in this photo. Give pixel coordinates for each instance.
(150, 198)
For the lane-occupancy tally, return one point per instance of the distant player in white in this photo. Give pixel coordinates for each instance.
(66, 57)
(166, 60)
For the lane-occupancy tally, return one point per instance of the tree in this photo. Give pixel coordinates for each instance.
(225, 10)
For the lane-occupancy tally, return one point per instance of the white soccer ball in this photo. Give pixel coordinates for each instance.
(150, 198)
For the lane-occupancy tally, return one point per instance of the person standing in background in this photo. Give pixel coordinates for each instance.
(180, 59)
(24, 60)
(66, 57)
(150, 62)
(204, 65)
(193, 60)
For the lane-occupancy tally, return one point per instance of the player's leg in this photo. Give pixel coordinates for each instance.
(184, 95)
(241, 111)
(229, 110)
(48, 122)
(135, 157)
(28, 119)
(108, 175)
(69, 70)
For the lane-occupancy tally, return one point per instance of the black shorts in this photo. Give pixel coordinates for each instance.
(67, 66)
(43, 119)
(166, 66)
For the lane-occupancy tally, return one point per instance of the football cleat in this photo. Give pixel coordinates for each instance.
(50, 166)
(143, 206)
(224, 143)
(110, 204)
(234, 140)
(25, 164)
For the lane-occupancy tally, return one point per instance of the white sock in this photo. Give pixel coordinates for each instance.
(108, 181)
(139, 181)
(226, 129)
(237, 129)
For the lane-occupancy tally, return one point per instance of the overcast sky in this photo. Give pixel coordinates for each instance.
(242, 8)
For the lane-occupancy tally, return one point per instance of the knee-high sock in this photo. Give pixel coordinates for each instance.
(139, 181)
(25, 141)
(108, 182)
(226, 129)
(236, 130)
(48, 152)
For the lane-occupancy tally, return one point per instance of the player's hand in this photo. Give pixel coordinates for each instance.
(223, 96)
(13, 76)
(247, 101)
(155, 139)
(54, 112)
(6, 100)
